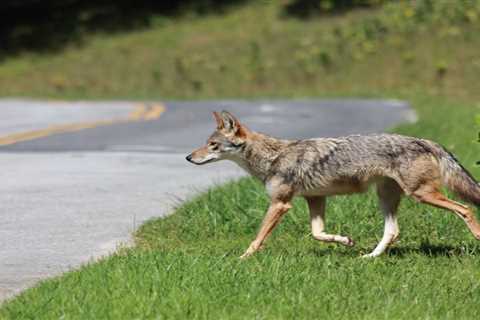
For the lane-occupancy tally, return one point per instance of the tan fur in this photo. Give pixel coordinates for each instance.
(316, 168)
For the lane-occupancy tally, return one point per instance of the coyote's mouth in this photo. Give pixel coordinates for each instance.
(189, 159)
(205, 161)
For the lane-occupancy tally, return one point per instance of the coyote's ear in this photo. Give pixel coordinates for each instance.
(230, 122)
(218, 120)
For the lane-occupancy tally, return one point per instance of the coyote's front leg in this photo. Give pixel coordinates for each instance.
(316, 207)
(275, 212)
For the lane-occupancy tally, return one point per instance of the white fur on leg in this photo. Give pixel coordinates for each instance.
(322, 236)
(389, 194)
(318, 227)
(390, 234)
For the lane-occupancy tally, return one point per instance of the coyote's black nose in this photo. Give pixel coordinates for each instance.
(189, 158)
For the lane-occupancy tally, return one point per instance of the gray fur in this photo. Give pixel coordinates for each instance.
(355, 160)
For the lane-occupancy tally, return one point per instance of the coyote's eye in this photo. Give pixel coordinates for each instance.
(213, 146)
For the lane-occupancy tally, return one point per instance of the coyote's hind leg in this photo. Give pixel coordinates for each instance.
(432, 196)
(316, 206)
(389, 194)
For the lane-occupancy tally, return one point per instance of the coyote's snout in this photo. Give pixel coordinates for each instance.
(317, 168)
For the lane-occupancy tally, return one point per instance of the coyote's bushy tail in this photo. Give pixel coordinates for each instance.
(457, 178)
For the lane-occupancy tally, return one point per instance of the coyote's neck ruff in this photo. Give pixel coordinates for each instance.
(316, 168)
(258, 153)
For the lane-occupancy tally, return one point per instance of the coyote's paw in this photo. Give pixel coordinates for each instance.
(245, 255)
(254, 247)
(348, 242)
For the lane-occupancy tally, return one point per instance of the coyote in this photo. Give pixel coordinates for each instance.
(321, 167)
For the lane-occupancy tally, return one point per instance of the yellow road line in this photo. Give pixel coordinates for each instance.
(137, 113)
(140, 113)
(155, 111)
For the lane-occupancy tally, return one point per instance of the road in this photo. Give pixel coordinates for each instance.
(78, 178)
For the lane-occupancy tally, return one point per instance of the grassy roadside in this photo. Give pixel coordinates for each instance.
(187, 264)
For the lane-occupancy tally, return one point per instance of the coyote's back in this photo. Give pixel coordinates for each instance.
(350, 163)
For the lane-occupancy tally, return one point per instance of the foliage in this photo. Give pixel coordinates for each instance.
(46, 25)
(402, 18)
(312, 8)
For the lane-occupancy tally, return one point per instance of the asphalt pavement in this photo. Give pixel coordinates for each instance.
(78, 178)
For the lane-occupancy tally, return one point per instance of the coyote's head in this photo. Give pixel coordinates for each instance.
(226, 142)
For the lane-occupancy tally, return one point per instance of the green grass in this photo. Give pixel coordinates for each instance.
(187, 266)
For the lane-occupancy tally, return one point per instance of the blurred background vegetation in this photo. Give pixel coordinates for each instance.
(211, 48)
(44, 25)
